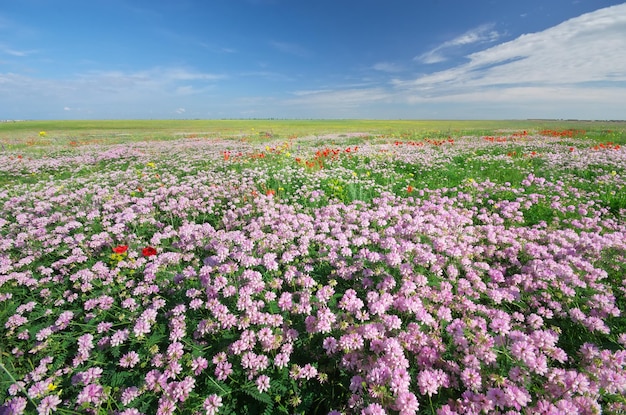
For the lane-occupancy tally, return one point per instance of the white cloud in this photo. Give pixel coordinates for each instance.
(572, 70)
(179, 74)
(305, 92)
(480, 34)
(106, 93)
(14, 52)
(340, 97)
(388, 67)
(180, 111)
(579, 51)
(291, 49)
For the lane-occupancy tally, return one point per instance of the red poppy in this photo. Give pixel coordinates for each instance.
(148, 251)
(409, 189)
(120, 249)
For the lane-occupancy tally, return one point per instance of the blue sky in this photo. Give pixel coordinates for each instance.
(386, 59)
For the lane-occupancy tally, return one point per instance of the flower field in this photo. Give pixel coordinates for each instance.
(390, 274)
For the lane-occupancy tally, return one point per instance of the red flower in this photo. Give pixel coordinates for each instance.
(120, 249)
(409, 189)
(148, 251)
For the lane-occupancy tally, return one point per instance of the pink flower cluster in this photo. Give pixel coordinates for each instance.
(443, 299)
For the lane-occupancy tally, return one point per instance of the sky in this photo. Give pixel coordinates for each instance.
(376, 59)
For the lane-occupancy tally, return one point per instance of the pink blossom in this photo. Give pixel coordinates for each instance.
(212, 404)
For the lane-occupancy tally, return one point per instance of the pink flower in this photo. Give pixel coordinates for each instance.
(198, 364)
(471, 379)
(15, 406)
(48, 405)
(222, 370)
(430, 381)
(308, 372)
(129, 394)
(407, 403)
(92, 393)
(263, 383)
(130, 359)
(212, 404)
(374, 409)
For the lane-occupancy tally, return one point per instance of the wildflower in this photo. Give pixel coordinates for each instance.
(14, 406)
(48, 405)
(374, 409)
(281, 360)
(212, 404)
(263, 383)
(92, 393)
(148, 251)
(223, 370)
(471, 379)
(308, 372)
(166, 406)
(129, 394)
(42, 133)
(120, 249)
(130, 359)
(179, 391)
(430, 381)
(198, 364)
(407, 403)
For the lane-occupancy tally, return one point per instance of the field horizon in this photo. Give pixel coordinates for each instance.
(22, 134)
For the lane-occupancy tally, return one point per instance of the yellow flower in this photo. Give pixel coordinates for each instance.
(151, 164)
(613, 173)
(42, 134)
(51, 387)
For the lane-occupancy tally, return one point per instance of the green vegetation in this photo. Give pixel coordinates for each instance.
(25, 134)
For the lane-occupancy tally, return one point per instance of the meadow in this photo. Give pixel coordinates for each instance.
(312, 267)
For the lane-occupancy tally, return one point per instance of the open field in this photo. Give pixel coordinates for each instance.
(281, 267)
(25, 134)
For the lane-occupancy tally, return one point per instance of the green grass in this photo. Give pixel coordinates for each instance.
(23, 135)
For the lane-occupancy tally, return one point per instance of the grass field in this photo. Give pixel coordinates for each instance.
(312, 267)
(17, 135)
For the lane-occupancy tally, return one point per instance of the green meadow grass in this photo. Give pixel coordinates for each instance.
(23, 135)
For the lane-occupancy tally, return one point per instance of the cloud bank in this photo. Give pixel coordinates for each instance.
(573, 70)
(479, 35)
